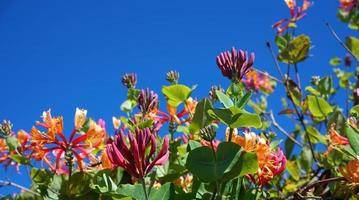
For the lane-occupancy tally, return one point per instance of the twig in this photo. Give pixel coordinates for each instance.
(297, 76)
(340, 41)
(270, 76)
(9, 183)
(324, 181)
(281, 129)
(299, 114)
(275, 60)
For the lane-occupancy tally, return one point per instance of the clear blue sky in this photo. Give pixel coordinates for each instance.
(65, 55)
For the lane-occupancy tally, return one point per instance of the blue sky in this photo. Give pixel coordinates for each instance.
(63, 55)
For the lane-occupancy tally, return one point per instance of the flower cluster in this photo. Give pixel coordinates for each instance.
(272, 162)
(235, 64)
(258, 81)
(132, 154)
(296, 13)
(86, 137)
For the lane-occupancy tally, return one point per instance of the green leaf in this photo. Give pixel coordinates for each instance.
(312, 90)
(20, 159)
(296, 51)
(176, 94)
(353, 44)
(127, 106)
(235, 117)
(354, 111)
(165, 192)
(293, 170)
(294, 92)
(353, 137)
(228, 163)
(12, 143)
(224, 99)
(335, 61)
(318, 106)
(244, 100)
(200, 118)
(40, 176)
(103, 184)
(315, 136)
(245, 119)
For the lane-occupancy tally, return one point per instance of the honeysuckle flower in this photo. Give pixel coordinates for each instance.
(351, 171)
(258, 81)
(116, 123)
(274, 165)
(296, 13)
(129, 80)
(235, 64)
(212, 92)
(53, 144)
(208, 143)
(80, 118)
(131, 154)
(185, 182)
(335, 139)
(271, 162)
(347, 5)
(22, 150)
(147, 101)
(172, 77)
(173, 116)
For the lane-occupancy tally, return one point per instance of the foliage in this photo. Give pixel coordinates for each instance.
(175, 150)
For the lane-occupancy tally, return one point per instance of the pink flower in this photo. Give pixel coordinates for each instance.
(235, 64)
(296, 13)
(133, 157)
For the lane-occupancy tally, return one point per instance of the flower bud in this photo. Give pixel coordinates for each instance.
(172, 77)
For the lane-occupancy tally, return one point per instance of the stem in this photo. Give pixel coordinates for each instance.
(230, 135)
(297, 77)
(300, 115)
(9, 183)
(308, 187)
(144, 188)
(275, 60)
(214, 193)
(270, 76)
(281, 129)
(215, 158)
(340, 41)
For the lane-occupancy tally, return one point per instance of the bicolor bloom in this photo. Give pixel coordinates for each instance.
(23, 150)
(208, 143)
(188, 110)
(129, 80)
(80, 118)
(296, 13)
(335, 139)
(271, 162)
(147, 101)
(347, 5)
(185, 182)
(53, 142)
(235, 64)
(258, 81)
(212, 92)
(132, 154)
(351, 171)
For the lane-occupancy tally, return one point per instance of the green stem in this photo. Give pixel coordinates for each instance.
(230, 134)
(144, 188)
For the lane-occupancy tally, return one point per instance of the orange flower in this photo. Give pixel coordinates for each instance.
(335, 139)
(271, 163)
(65, 150)
(351, 171)
(258, 81)
(185, 182)
(296, 13)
